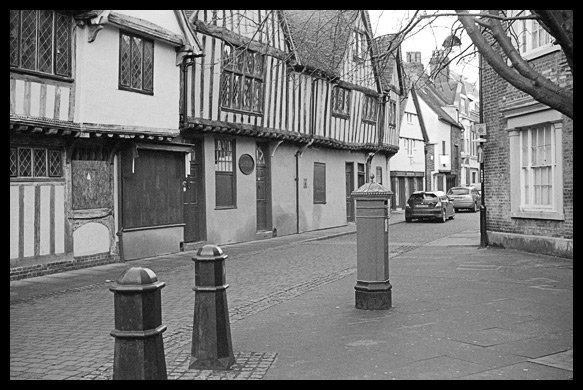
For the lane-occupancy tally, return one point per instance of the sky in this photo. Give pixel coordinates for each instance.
(425, 39)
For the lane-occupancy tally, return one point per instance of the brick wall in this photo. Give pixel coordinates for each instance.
(497, 93)
(30, 271)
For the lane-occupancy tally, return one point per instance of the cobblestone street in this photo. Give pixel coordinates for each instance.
(61, 331)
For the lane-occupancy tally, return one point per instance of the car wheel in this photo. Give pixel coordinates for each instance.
(408, 219)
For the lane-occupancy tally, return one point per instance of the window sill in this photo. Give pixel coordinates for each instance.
(42, 75)
(369, 121)
(320, 202)
(122, 88)
(539, 52)
(33, 179)
(225, 207)
(239, 111)
(532, 214)
(342, 116)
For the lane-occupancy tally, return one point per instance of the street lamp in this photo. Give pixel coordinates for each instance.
(483, 235)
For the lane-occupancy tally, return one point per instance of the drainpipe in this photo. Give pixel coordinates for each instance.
(298, 155)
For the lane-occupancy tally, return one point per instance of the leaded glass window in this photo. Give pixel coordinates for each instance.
(242, 80)
(136, 63)
(35, 162)
(369, 108)
(341, 101)
(40, 41)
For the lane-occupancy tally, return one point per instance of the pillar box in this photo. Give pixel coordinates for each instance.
(211, 332)
(372, 290)
(139, 348)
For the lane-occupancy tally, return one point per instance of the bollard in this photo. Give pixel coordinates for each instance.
(373, 289)
(139, 348)
(211, 332)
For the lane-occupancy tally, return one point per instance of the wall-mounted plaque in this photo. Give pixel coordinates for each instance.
(246, 164)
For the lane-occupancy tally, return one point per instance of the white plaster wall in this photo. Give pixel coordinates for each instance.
(437, 131)
(234, 224)
(98, 97)
(90, 238)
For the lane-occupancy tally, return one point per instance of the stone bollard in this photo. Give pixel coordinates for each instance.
(139, 348)
(211, 332)
(372, 290)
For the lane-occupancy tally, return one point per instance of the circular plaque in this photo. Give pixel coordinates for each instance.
(246, 164)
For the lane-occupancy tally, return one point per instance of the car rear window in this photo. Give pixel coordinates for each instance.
(458, 191)
(422, 196)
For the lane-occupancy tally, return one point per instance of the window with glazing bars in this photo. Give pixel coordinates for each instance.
(369, 108)
(136, 63)
(225, 194)
(341, 101)
(40, 41)
(537, 166)
(242, 79)
(35, 162)
(359, 45)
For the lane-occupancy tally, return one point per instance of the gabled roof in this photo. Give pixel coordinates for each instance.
(430, 96)
(320, 37)
(387, 64)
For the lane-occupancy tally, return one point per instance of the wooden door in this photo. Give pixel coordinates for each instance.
(263, 187)
(349, 188)
(194, 205)
(402, 193)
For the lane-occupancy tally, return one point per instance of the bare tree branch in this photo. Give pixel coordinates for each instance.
(557, 98)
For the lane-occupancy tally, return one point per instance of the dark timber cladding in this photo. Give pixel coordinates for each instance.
(151, 185)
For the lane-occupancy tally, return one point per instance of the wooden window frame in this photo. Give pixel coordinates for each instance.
(48, 153)
(230, 70)
(319, 183)
(392, 112)
(144, 41)
(232, 173)
(359, 45)
(344, 111)
(369, 114)
(54, 73)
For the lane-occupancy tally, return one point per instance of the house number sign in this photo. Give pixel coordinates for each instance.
(246, 164)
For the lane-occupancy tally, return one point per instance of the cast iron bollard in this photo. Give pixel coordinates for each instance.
(139, 348)
(372, 290)
(211, 332)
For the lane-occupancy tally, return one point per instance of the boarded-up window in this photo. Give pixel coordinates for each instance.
(319, 183)
(91, 178)
(151, 188)
(225, 190)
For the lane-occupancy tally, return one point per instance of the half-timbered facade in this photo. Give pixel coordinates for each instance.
(94, 173)
(282, 132)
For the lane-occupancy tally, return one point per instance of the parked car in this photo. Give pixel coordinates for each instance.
(465, 198)
(429, 205)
